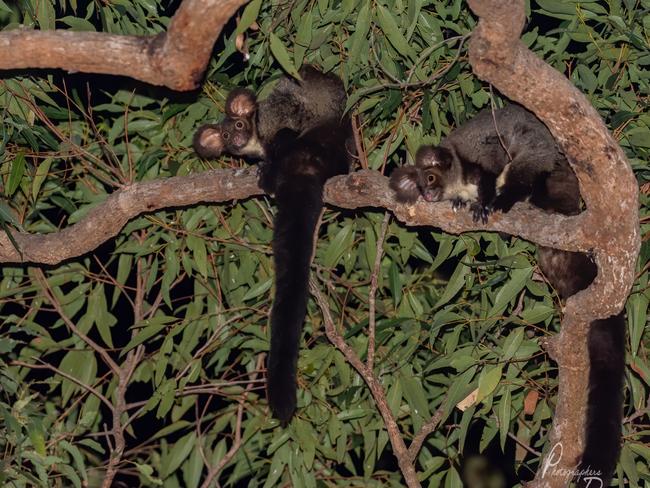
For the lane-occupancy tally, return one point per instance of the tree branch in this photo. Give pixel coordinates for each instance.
(610, 224)
(65, 375)
(376, 389)
(372, 293)
(106, 219)
(432, 424)
(364, 188)
(176, 59)
(607, 183)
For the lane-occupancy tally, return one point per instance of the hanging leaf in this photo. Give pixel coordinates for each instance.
(282, 56)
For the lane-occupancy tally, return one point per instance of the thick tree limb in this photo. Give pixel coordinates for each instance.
(370, 189)
(105, 221)
(176, 59)
(610, 223)
(358, 190)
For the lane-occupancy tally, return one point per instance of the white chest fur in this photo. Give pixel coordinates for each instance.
(253, 148)
(501, 180)
(467, 192)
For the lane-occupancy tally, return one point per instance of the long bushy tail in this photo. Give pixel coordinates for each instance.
(606, 343)
(299, 205)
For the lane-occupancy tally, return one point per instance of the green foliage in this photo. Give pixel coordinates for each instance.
(183, 295)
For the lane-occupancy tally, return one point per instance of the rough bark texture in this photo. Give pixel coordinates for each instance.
(175, 59)
(106, 219)
(358, 190)
(367, 188)
(610, 223)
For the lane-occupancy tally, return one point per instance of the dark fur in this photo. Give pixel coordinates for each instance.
(234, 133)
(303, 137)
(522, 151)
(474, 154)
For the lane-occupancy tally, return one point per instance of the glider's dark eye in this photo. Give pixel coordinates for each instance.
(225, 135)
(431, 178)
(239, 125)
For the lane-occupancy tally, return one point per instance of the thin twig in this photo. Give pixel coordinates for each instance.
(124, 375)
(415, 84)
(208, 344)
(493, 109)
(423, 433)
(424, 54)
(67, 376)
(380, 64)
(372, 293)
(376, 389)
(359, 143)
(214, 472)
(133, 358)
(534, 452)
(40, 276)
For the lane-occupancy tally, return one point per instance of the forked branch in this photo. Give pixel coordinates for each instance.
(610, 223)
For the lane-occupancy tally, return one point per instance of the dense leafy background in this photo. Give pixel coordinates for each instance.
(192, 286)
